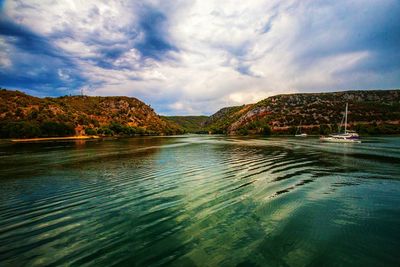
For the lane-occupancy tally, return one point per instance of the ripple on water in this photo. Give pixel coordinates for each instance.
(195, 200)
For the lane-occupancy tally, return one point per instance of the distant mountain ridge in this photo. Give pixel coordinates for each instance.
(370, 111)
(189, 124)
(22, 115)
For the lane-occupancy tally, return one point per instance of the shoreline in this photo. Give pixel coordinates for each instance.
(79, 137)
(91, 137)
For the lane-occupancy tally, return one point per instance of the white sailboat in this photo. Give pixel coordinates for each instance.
(299, 133)
(346, 137)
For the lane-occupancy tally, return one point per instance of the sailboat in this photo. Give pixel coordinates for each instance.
(299, 133)
(346, 137)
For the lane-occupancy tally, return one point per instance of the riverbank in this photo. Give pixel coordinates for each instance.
(80, 137)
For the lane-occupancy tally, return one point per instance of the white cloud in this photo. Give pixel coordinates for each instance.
(63, 74)
(5, 50)
(228, 53)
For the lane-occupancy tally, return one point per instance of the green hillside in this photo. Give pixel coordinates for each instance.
(190, 124)
(23, 116)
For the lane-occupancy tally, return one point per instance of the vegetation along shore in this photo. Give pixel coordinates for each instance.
(24, 116)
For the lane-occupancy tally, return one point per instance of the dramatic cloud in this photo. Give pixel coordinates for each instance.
(194, 57)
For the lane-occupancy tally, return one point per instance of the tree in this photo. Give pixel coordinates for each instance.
(90, 131)
(105, 131)
(324, 129)
(19, 112)
(22, 129)
(33, 115)
(116, 127)
(51, 128)
(267, 130)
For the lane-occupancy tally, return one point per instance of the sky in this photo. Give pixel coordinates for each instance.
(187, 57)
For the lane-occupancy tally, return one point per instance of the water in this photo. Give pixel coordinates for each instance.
(200, 201)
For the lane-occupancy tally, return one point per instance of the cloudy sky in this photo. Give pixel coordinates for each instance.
(194, 57)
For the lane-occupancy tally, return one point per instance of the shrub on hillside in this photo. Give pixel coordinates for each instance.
(51, 128)
(22, 129)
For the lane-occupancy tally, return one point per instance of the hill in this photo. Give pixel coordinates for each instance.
(22, 115)
(189, 124)
(370, 112)
(221, 120)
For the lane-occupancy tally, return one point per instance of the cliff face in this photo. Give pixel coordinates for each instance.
(317, 113)
(67, 115)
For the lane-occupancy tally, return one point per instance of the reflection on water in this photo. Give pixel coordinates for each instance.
(200, 200)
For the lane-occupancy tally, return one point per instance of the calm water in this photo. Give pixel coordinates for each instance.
(200, 201)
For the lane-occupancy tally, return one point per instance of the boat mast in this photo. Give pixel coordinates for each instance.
(345, 120)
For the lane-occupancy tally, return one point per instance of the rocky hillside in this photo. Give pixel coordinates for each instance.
(22, 115)
(220, 121)
(371, 112)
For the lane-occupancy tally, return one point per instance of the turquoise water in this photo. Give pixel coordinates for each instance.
(200, 201)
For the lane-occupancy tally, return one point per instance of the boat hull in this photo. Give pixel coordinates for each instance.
(339, 140)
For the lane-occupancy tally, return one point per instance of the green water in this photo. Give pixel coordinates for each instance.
(200, 201)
